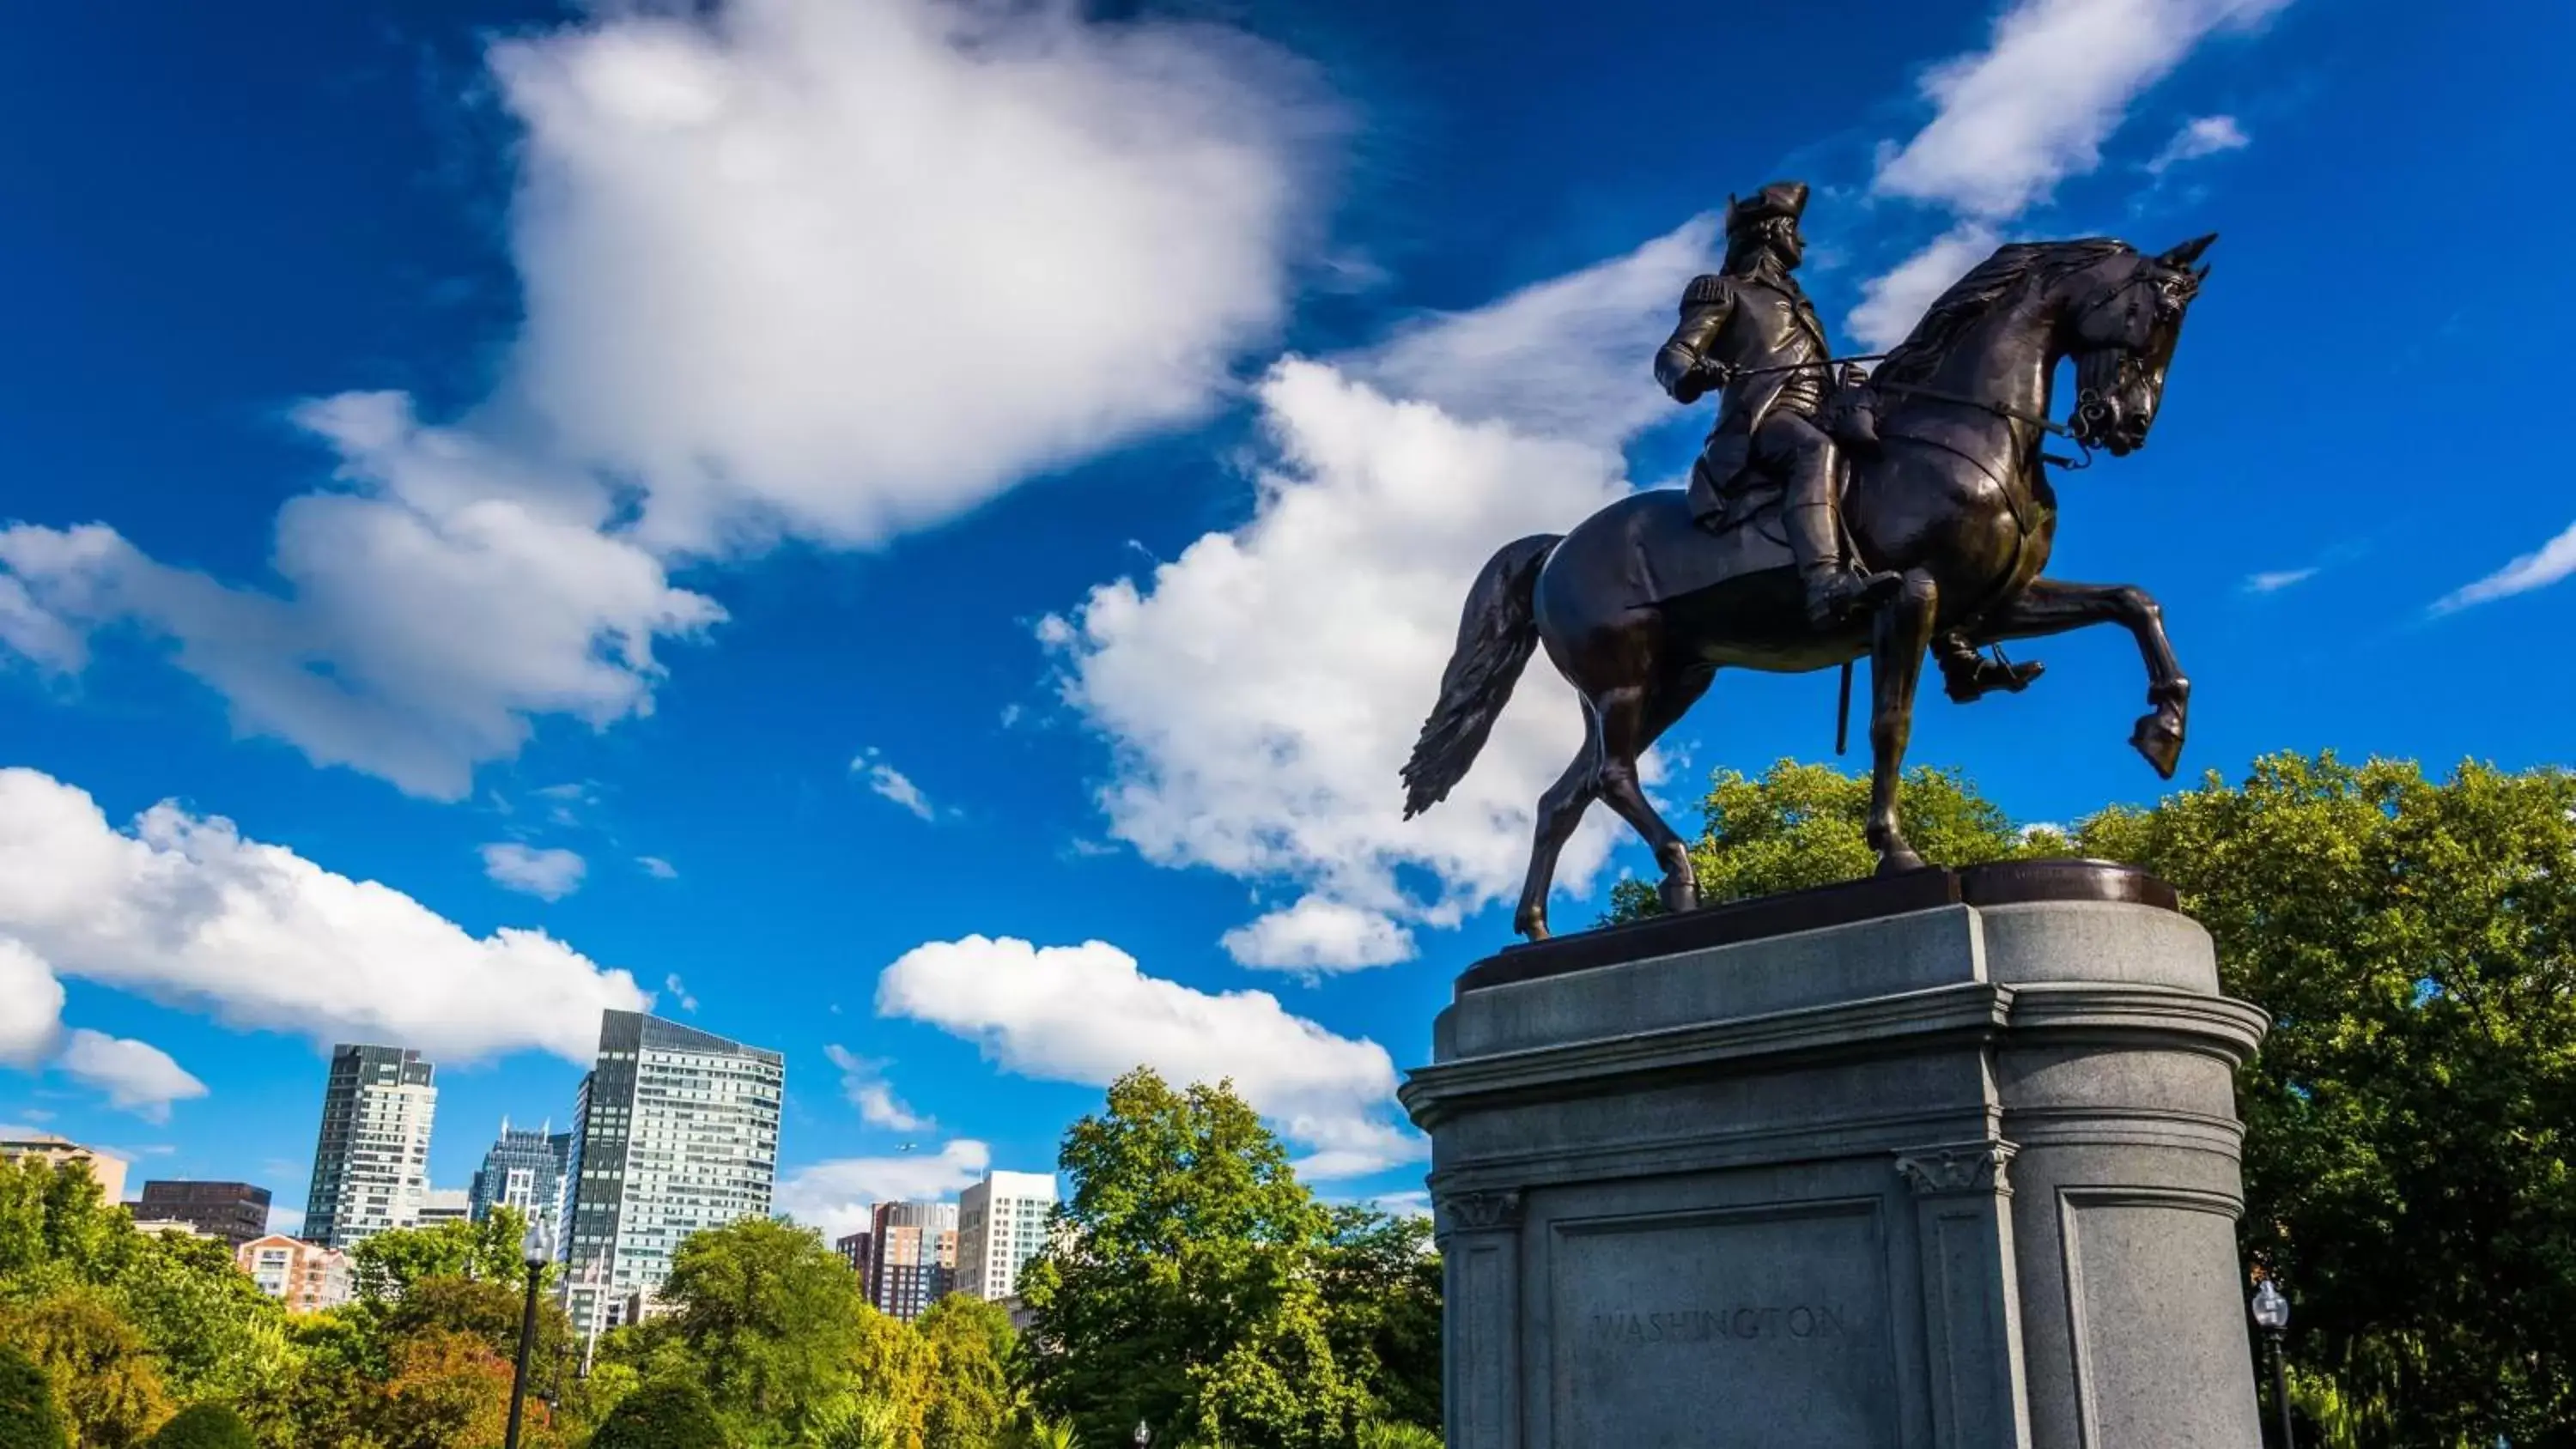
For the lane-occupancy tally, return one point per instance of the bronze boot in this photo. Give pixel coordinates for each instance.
(1835, 591)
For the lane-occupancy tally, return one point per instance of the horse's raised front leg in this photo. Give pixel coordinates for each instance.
(1901, 634)
(2050, 606)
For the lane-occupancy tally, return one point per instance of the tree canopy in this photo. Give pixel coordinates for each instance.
(2409, 1119)
(1198, 1286)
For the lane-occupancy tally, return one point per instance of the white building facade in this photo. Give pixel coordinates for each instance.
(371, 1162)
(674, 1130)
(1001, 1224)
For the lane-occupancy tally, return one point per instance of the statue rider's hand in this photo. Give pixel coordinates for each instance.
(1714, 375)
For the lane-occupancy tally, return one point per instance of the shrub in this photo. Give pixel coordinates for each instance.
(28, 1418)
(1393, 1434)
(673, 1414)
(205, 1426)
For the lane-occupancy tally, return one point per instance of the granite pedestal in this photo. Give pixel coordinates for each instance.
(1941, 1161)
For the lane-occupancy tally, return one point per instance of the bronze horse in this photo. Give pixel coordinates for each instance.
(1639, 607)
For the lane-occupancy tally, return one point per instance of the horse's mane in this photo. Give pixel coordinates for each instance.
(1973, 295)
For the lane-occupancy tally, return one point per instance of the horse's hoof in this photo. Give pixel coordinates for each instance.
(1531, 927)
(1899, 861)
(1679, 894)
(2160, 742)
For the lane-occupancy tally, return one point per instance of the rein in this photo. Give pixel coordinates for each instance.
(2088, 404)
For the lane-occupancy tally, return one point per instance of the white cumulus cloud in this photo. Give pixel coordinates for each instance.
(1892, 302)
(1088, 1014)
(1317, 935)
(180, 908)
(550, 874)
(790, 268)
(136, 1076)
(835, 1195)
(31, 1007)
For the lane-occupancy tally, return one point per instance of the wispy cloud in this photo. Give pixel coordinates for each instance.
(2030, 110)
(2274, 580)
(864, 1083)
(679, 992)
(2202, 136)
(892, 783)
(658, 868)
(549, 875)
(2538, 569)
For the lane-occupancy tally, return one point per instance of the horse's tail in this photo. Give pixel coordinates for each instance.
(1495, 637)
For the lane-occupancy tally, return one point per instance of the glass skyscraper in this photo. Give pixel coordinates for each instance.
(524, 1170)
(371, 1165)
(674, 1130)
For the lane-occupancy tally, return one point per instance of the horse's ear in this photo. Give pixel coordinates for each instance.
(2189, 252)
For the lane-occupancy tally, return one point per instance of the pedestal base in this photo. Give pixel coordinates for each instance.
(1945, 1160)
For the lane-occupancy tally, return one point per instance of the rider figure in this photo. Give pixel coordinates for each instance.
(1750, 331)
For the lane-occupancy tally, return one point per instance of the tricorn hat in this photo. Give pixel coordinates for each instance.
(1773, 202)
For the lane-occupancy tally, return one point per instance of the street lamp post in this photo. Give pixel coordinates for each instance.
(537, 1249)
(2272, 1315)
(1144, 1436)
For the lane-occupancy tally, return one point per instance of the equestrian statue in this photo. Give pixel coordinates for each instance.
(1833, 514)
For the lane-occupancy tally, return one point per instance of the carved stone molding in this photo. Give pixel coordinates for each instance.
(1479, 1212)
(1957, 1167)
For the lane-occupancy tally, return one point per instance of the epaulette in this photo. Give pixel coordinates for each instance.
(1705, 289)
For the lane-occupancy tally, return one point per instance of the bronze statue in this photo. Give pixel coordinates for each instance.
(1642, 603)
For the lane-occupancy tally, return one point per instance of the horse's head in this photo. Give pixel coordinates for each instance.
(2125, 324)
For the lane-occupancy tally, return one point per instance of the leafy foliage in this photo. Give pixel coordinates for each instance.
(28, 1418)
(205, 1426)
(2410, 1155)
(971, 1346)
(103, 1376)
(1188, 1288)
(1380, 1434)
(385, 1265)
(673, 1414)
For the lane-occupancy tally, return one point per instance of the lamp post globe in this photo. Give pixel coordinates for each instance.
(536, 1249)
(1144, 1437)
(2271, 1309)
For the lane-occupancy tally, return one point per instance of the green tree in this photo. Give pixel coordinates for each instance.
(773, 1321)
(2409, 1168)
(970, 1394)
(205, 1426)
(103, 1377)
(389, 1262)
(1807, 825)
(28, 1418)
(1184, 1291)
(672, 1414)
(1381, 1434)
(1381, 1285)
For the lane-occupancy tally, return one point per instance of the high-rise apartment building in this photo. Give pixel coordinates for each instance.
(371, 1166)
(524, 1170)
(674, 1130)
(443, 1205)
(1001, 1224)
(233, 1211)
(913, 1256)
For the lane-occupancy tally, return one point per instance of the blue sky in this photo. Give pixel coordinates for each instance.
(921, 543)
